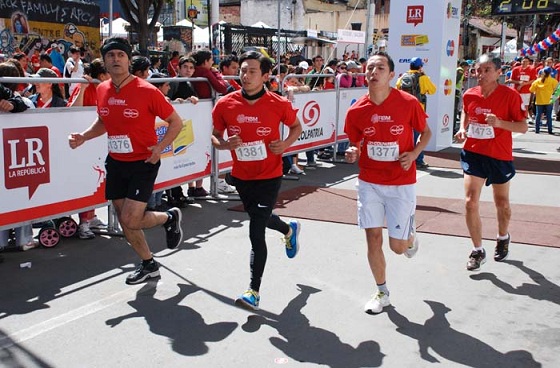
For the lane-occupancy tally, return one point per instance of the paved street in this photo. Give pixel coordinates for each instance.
(73, 309)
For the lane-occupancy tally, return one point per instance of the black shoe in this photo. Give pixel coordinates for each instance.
(173, 230)
(199, 192)
(502, 249)
(422, 165)
(181, 202)
(476, 259)
(143, 272)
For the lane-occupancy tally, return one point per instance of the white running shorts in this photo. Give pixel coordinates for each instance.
(395, 203)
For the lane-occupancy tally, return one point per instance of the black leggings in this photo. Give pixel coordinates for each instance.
(259, 197)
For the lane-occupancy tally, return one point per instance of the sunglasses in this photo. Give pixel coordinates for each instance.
(342, 67)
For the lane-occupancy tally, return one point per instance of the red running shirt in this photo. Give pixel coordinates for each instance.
(507, 105)
(255, 124)
(382, 128)
(520, 74)
(131, 114)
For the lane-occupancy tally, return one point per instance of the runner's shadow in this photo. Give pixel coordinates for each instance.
(305, 343)
(542, 289)
(436, 334)
(184, 326)
(15, 355)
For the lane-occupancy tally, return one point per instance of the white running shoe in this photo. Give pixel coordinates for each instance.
(377, 303)
(96, 223)
(84, 232)
(296, 170)
(224, 188)
(411, 252)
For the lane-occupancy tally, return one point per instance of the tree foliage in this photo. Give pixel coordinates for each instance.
(136, 13)
(543, 24)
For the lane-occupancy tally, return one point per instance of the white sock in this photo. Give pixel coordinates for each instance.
(503, 237)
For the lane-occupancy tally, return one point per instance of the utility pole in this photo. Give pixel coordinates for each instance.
(370, 13)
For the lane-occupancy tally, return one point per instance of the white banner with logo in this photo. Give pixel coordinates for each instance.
(348, 96)
(429, 30)
(317, 114)
(43, 178)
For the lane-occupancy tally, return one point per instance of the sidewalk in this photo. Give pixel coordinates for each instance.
(73, 309)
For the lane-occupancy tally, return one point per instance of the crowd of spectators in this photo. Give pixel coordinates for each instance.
(199, 63)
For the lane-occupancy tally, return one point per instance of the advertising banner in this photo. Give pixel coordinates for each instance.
(43, 178)
(346, 99)
(40, 23)
(429, 30)
(317, 114)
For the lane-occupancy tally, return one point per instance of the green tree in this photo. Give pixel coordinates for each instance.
(136, 13)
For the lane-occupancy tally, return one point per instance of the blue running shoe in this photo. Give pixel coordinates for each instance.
(292, 242)
(249, 300)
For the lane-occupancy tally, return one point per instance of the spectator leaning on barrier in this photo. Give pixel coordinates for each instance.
(10, 101)
(257, 159)
(204, 69)
(230, 66)
(316, 82)
(418, 84)
(48, 94)
(387, 176)
(491, 113)
(343, 77)
(140, 66)
(127, 107)
(184, 90)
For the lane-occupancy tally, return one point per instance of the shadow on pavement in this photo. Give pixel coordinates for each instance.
(542, 289)
(54, 271)
(13, 355)
(305, 343)
(191, 341)
(436, 334)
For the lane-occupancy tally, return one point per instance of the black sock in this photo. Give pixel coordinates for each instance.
(146, 262)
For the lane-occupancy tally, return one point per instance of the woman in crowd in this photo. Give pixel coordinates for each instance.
(543, 88)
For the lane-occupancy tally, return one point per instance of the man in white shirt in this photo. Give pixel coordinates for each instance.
(74, 68)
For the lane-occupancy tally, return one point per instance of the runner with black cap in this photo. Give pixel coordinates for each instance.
(127, 107)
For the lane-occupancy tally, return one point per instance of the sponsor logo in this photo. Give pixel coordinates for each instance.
(116, 102)
(479, 111)
(381, 119)
(26, 158)
(414, 40)
(104, 111)
(407, 61)
(247, 119)
(130, 113)
(397, 129)
(452, 12)
(311, 113)
(445, 123)
(415, 14)
(450, 48)
(263, 131)
(233, 130)
(369, 131)
(447, 87)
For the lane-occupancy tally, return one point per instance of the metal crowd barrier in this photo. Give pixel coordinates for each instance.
(42, 178)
